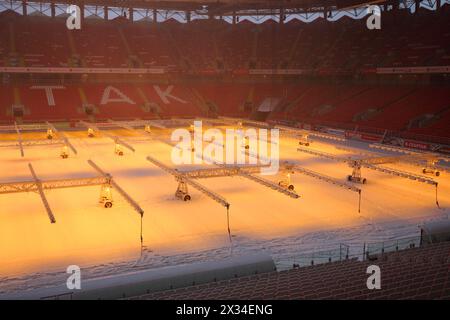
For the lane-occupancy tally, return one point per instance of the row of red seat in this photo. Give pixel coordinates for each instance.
(384, 107)
(106, 101)
(420, 39)
(419, 273)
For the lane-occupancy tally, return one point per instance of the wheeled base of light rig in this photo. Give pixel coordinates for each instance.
(431, 171)
(303, 143)
(106, 196)
(182, 191)
(356, 176)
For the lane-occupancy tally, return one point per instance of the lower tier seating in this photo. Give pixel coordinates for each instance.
(407, 108)
(418, 273)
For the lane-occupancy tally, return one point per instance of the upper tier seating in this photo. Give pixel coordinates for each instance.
(196, 43)
(39, 43)
(419, 273)
(100, 45)
(236, 50)
(147, 42)
(344, 45)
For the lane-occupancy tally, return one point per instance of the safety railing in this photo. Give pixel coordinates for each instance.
(377, 248)
(345, 252)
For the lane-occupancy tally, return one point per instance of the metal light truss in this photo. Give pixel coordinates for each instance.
(162, 140)
(32, 142)
(310, 133)
(184, 177)
(326, 136)
(416, 157)
(296, 168)
(399, 173)
(391, 148)
(41, 193)
(63, 137)
(124, 125)
(370, 163)
(245, 171)
(21, 143)
(369, 160)
(39, 186)
(385, 159)
(355, 151)
(270, 185)
(24, 127)
(418, 163)
(417, 153)
(216, 197)
(130, 126)
(327, 179)
(162, 166)
(407, 158)
(144, 136)
(407, 175)
(114, 138)
(233, 121)
(19, 140)
(16, 187)
(138, 123)
(290, 130)
(30, 186)
(122, 192)
(324, 155)
(220, 172)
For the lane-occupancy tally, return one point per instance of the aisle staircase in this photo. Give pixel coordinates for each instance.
(133, 60)
(148, 106)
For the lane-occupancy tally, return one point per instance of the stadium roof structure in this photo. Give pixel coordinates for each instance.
(224, 7)
(231, 11)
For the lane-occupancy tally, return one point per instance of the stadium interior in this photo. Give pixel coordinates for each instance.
(311, 65)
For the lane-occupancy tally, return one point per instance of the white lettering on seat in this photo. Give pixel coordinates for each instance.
(49, 93)
(164, 95)
(106, 97)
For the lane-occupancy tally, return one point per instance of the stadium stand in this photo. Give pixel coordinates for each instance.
(141, 39)
(417, 109)
(416, 273)
(117, 101)
(61, 104)
(323, 45)
(323, 75)
(6, 102)
(99, 44)
(324, 49)
(196, 44)
(32, 35)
